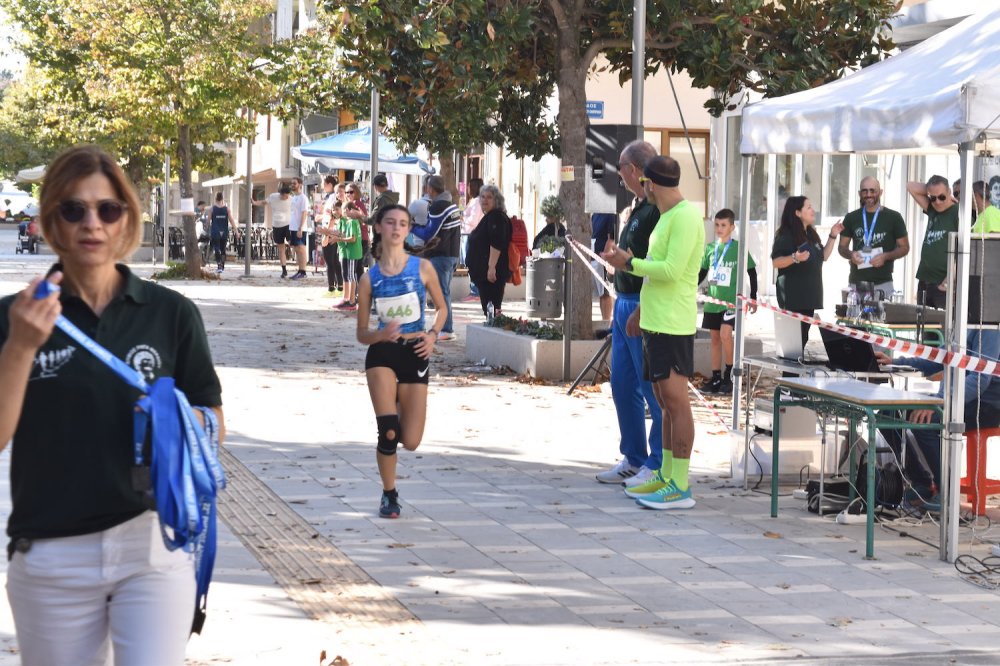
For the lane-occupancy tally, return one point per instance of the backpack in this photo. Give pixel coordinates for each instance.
(519, 237)
(449, 216)
(514, 263)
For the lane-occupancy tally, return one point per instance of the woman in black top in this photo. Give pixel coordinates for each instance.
(798, 255)
(88, 570)
(487, 256)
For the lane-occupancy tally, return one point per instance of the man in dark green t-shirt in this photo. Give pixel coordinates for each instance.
(874, 236)
(941, 209)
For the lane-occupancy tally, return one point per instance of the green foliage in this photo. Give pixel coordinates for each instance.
(126, 75)
(451, 75)
(173, 271)
(534, 329)
(552, 209)
(550, 244)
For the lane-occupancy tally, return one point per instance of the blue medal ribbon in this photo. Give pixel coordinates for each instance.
(866, 230)
(185, 479)
(717, 256)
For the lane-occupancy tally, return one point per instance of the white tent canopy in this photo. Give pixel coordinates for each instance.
(942, 92)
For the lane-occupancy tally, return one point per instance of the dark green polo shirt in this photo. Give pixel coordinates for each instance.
(886, 230)
(71, 455)
(635, 237)
(933, 267)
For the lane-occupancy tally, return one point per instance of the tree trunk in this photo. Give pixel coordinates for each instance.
(447, 161)
(192, 253)
(572, 121)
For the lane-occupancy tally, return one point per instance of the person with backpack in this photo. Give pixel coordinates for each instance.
(442, 242)
(488, 256)
(397, 364)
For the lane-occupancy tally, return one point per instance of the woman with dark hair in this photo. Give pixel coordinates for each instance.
(487, 257)
(399, 349)
(798, 255)
(88, 562)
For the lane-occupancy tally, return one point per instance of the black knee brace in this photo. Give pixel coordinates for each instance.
(388, 434)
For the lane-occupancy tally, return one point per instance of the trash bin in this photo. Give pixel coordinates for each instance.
(543, 287)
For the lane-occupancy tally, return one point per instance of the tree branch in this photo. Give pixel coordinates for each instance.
(599, 45)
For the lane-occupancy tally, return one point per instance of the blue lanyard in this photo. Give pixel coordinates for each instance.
(869, 231)
(717, 257)
(185, 472)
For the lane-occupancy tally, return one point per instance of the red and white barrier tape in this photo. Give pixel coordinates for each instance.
(955, 359)
(582, 251)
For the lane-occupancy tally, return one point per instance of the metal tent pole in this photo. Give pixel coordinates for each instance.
(741, 264)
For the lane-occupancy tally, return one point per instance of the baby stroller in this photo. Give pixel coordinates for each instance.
(27, 237)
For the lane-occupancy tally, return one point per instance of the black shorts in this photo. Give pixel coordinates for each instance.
(400, 357)
(280, 235)
(713, 321)
(663, 354)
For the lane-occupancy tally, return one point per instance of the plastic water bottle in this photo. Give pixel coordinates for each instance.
(490, 312)
(853, 304)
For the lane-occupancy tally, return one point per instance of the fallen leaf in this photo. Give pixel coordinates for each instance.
(773, 535)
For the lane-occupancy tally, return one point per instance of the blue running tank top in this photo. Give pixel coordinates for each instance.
(399, 298)
(220, 220)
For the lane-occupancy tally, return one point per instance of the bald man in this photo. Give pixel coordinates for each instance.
(874, 236)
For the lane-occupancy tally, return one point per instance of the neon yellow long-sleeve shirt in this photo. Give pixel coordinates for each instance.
(669, 297)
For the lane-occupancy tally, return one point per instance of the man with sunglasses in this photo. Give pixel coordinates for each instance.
(874, 237)
(642, 452)
(934, 198)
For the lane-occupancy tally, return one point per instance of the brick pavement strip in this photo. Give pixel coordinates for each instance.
(323, 581)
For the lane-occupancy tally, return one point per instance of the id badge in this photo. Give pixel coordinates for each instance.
(402, 309)
(867, 254)
(723, 276)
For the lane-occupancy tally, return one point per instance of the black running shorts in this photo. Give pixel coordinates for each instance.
(400, 357)
(663, 354)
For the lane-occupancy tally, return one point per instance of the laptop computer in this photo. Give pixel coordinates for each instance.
(788, 337)
(849, 354)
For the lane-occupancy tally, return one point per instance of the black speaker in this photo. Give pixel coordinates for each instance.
(984, 275)
(605, 193)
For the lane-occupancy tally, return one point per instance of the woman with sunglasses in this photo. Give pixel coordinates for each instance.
(398, 361)
(88, 571)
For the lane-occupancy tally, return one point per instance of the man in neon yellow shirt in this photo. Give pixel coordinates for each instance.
(668, 318)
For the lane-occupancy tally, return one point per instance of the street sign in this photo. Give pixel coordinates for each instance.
(595, 109)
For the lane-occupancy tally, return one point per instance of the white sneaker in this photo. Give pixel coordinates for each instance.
(618, 473)
(642, 476)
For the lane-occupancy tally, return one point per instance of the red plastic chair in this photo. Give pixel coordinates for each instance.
(975, 483)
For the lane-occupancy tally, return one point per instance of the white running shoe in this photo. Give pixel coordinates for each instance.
(623, 470)
(642, 476)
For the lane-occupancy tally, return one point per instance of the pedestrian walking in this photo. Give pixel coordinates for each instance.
(328, 222)
(398, 361)
(89, 575)
(222, 220)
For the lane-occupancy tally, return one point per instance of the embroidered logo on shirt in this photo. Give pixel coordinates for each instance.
(48, 363)
(145, 359)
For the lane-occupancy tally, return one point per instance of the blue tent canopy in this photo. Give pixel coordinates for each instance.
(352, 150)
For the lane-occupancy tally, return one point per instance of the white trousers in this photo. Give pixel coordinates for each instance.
(120, 591)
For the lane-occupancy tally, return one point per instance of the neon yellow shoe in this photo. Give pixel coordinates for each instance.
(651, 486)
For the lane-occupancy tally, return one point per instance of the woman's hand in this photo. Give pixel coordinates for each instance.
(391, 332)
(491, 274)
(425, 345)
(837, 229)
(802, 256)
(32, 319)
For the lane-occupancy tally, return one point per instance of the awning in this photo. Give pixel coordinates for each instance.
(32, 175)
(352, 150)
(222, 181)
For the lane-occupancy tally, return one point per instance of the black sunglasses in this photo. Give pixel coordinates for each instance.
(940, 197)
(109, 211)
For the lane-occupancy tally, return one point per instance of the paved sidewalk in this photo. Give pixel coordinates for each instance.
(508, 551)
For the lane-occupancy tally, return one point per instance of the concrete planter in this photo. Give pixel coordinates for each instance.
(543, 358)
(525, 354)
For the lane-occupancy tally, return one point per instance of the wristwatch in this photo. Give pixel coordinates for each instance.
(628, 264)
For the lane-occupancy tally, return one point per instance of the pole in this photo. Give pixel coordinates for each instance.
(957, 306)
(166, 200)
(638, 59)
(745, 174)
(567, 309)
(373, 168)
(248, 228)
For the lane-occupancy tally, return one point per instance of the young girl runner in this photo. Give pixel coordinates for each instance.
(719, 265)
(398, 360)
